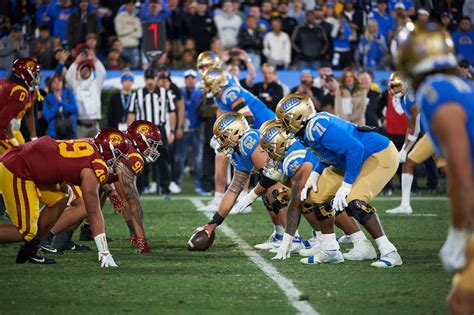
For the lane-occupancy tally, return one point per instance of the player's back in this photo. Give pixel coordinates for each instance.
(15, 100)
(438, 90)
(295, 156)
(48, 162)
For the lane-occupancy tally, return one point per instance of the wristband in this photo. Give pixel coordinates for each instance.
(216, 219)
(412, 138)
(101, 242)
(33, 138)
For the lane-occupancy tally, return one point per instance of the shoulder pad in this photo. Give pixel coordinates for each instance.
(249, 142)
(317, 126)
(230, 94)
(100, 169)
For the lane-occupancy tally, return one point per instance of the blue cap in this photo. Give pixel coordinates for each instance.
(126, 75)
(307, 70)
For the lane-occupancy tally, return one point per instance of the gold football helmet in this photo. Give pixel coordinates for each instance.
(207, 59)
(294, 110)
(213, 80)
(424, 48)
(228, 130)
(396, 85)
(275, 139)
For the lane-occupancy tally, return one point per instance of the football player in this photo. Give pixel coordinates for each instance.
(235, 138)
(427, 57)
(356, 162)
(421, 151)
(79, 162)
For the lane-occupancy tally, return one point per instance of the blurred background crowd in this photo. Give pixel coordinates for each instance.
(82, 40)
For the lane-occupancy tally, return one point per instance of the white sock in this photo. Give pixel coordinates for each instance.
(318, 234)
(297, 233)
(407, 180)
(329, 242)
(384, 245)
(279, 229)
(357, 237)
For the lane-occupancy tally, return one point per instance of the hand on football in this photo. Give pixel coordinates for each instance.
(452, 254)
(106, 260)
(209, 228)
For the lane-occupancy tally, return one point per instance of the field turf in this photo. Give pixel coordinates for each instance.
(223, 280)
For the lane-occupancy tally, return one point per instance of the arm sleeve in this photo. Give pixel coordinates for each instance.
(100, 72)
(69, 104)
(342, 143)
(171, 101)
(50, 107)
(70, 75)
(320, 167)
(59, 69)
(133, 103)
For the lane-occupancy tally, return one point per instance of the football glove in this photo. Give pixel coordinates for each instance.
(452, 254)
(106, 260)
(340, 201)
(283, 251)
(312, 182)
(245, 201)
(117, 202)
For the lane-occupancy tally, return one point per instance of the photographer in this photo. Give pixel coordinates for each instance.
(60, 110)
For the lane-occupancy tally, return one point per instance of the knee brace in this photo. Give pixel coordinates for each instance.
(324, 211)
(307, 208)
(360, 210)
(274, 206)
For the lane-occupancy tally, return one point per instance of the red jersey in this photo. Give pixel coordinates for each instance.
(134, 162)
(15, 101)
(395, 124)
(49, 162)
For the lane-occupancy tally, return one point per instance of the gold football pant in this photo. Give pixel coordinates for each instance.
(422, 151)
(375, 173)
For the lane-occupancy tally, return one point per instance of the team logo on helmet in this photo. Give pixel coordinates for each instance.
(115, 139)
(227, 121)
(290, 104)
(270, 134)
(30, 65)
(143, 128)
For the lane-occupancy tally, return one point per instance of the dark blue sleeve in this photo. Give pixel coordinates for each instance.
(50, 107)
(69, 104)
(343, 143)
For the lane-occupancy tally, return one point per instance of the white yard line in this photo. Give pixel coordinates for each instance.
(295, 296)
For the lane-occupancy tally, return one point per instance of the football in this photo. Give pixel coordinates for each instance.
(200, 241)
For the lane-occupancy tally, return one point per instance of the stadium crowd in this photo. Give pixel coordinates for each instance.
(82, 40)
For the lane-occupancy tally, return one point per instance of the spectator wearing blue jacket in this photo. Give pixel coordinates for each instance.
(59, 13)
(372, 47)
(464, 40)
(342, 57)
(192, 142)
(60, 110)
(384, 20)
(155, 11)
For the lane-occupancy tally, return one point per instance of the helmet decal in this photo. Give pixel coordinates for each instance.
(143, 128)
(290, 104)
(115, 138)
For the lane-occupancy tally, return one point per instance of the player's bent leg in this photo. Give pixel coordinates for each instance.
(9, 234)
(276, 210)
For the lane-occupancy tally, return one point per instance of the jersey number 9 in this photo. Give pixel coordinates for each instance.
(73, 149)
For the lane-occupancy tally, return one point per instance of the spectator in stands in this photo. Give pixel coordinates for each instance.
(342, 57)
(373, 96)
(351, 99)
(216, 46)
(80, 24)
(86, 77)
(267, 10)
(453, 7)
(188, 60)
(288, 24)
(192, 142)
(129, 30)
(323, 71)
(277, 46)
(42, 48)
(400, 16)
(203, 28)
(234, 68)
(465, 69)
(236, 6)
(120, 102)
(59, 12)
(114, 62)
(177, 29)
(155, 12)
(331, 85)
(228, 25)
(372, 47)
(296, 11)
(423, 16)
(447, 23)
(331, 18)
(24, 14)
(468, 9)
(61, 56)
(464, 40)
(384, 20)
(269, 91)
(355, 17)
(11, 47)
(319, 21)
(408, 6)
(91, 43)
(307, 88)
(310, 43)
(250, 40)
(60, 109)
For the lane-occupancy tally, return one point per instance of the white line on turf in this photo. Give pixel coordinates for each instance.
(286, 285)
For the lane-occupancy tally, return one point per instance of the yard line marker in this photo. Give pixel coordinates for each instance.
(410, 215)
(286, 285)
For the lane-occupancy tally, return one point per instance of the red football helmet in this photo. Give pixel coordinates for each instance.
(146, 138)
(29, 71)
(112, 145)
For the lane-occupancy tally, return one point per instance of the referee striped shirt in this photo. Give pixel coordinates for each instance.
(152, 106)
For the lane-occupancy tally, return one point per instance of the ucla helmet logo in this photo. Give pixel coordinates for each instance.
(227, 121)
(290, 104)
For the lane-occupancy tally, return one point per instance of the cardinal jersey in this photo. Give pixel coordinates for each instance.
(135, 163)
(49, 162)
(295, 156)
(342, 144)
(234, 93)
(438, 90)
(241, 159)
(16, 100)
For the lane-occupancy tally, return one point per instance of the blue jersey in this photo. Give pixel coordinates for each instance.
(407, 102)
(241, 159)
(295, 156)
(233, 93)
(342, 144)
(440, 89)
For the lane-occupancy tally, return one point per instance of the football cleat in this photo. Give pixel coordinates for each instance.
(296, 245)
(400, 210)
(39, 258)
(313, 240)
(324, 257)
(363, 251)
(86, 233)
(274, 241)
(390, 260)
(30, 251)
(313, 250)
(245, 211)
(174, 188)
(133, 239)
(345, 239)
(49, 248)
(143, 246)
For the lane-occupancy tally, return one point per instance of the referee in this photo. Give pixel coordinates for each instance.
(157, 106)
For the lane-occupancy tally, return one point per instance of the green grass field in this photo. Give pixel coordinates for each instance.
(223, 280)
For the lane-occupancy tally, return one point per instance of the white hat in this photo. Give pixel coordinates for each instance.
(423, 12)
(191, 73)
(400, 5)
